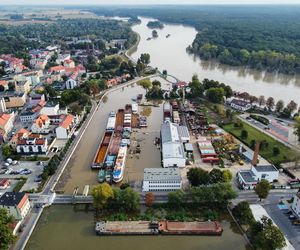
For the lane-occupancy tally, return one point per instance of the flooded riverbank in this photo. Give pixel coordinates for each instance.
(60, 227)
(170, 54)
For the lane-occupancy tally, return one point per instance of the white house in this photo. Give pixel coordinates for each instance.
(71, 83)
(41, 125)
(173, 154)
(50, 109)
(162, 179)
(248, 179)
(66, 127)
(296, 204)
(17, 204)
(28, 117)
(240, 104)
(32, 146)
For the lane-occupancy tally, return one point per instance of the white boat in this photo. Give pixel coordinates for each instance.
(119, 168)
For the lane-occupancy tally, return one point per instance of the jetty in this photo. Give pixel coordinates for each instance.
(155, 228)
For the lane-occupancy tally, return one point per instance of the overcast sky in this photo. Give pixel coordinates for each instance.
(74, 2)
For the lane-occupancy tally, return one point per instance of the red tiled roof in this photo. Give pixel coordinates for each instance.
(67, 121)
(4, 118)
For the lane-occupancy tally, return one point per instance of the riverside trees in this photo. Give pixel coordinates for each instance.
(6, 235)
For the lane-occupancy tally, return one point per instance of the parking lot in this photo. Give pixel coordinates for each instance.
(27, 169)
(281, 218)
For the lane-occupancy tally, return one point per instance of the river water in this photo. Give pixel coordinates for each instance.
(60, 227)
(170, 54)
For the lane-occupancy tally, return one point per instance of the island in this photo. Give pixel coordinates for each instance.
(155, 25)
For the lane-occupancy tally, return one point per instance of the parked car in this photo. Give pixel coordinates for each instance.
(292, 217)
(296, 222)
(289, 212)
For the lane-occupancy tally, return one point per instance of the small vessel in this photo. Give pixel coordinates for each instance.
(118, 172)
(108, 176)
(101, 175)
(149, 38)
(167, 36)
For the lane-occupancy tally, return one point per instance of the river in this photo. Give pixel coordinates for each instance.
(170, 54)
(60, 227)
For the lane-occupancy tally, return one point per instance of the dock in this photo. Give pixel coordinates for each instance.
(212, 228)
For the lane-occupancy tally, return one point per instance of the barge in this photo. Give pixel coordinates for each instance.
(119, 168)
(111, 123)
(102, 150)
(212, 228)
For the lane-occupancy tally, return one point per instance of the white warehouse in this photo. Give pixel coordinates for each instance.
(161, 179)
(173, 154)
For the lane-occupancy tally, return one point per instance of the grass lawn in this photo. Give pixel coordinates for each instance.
(286, 154)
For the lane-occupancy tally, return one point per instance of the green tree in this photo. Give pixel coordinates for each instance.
(261, 100)
(196, 87)
(50, 91)
(279, 106)
(102, 194)
(6, 236)
(276, 151)
(198, 176)
(227, 176)
(244, 134)
(215, 176)
(242, 212)
(262, 189)
(130, 199)
(145, 58)
(270, 103)
(176, 199)
(215, 95)
(297, 127)
(265, 235)
(6, 150)
(292, 106)
(145, 83)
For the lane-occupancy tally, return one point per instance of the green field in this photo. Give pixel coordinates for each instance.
(286, 154)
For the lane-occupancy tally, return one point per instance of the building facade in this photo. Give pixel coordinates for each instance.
(162, 179)
(32, 146)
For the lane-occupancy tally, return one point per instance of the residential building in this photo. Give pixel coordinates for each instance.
(6, 124)
(62, 57)
(23, 86)
(173, 154)
(13, 99)
(4, 183)
(41, 125)
(162, 179)
(4, 84)
(35, 99)
(2, 105)
(66, 127)
(248, 179)
(50, 109)
(21, 134)
(17, 204)
(28, 116)
(30, 146)
(71, 83)
(296, 204)
(240, 104)
(69, 63)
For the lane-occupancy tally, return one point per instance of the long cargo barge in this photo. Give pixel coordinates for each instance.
(102, 150)
(212, 228)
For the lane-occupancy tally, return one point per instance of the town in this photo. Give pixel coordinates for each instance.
(87, 124)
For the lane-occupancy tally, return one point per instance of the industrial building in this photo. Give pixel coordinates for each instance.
(161, 179)
(172, 138)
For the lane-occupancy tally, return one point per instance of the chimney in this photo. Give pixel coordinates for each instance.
(255, 155)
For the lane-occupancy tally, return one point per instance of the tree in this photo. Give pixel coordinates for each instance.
(276, 151)
(156, 83)
(270, 103)
(265, 235)
(292, 106)
(297, 127)
(244, 134)
(124, 186)
(227, 176)
(2, 89)
(215, 176)
(215, 95)
(102, 194)
(165, 72)
(198, 176)
(279, 106)
(149, 199)
(262, 189)
(50, 91)
(6, 150)
(6, 236)
(176, 199)
(145, 83)
(261, 101)
(196, 87)
(145, 58)
(242, 212)
(130, 199)
(154, 33)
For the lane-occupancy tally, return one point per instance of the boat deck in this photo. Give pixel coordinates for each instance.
(135, 121)
(101, 153)
(113, 148)
(120, 120)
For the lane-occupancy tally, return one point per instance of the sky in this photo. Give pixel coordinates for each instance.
(85, 2)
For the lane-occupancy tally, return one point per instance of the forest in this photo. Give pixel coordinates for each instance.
(18, 39)
(265, 37)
